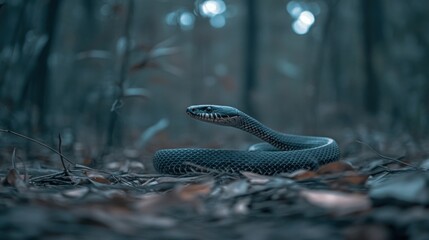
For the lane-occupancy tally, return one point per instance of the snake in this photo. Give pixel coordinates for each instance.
(279, 153)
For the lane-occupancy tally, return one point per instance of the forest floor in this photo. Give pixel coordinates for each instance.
(366, 195)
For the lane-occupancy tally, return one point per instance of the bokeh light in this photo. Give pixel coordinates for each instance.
(218, 21)
(303, 23)
(211, 8)
(186, 20)
(299, 27)
(303, 14)
(171, 18)
(306, 17)
(294, 8)
(182, 18)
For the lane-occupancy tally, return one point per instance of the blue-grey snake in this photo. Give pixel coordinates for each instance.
(281, 152)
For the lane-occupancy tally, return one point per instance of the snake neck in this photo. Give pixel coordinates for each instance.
(279, 140)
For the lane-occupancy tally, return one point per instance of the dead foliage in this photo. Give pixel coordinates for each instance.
(387, 200)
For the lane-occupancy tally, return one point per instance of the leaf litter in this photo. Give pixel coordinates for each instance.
(338, 201)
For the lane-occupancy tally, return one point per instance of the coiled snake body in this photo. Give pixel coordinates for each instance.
(280, 153)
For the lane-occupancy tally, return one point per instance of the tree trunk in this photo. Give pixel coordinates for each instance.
(372, 16)
(38, 79)
(251, 57)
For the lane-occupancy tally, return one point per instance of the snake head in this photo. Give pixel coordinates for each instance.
(222, 115)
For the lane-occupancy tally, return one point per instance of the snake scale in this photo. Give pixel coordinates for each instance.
(281, 152)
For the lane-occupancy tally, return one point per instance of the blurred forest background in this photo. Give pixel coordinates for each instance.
(118, 74)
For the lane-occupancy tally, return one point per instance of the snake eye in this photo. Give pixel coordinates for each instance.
(209, 109)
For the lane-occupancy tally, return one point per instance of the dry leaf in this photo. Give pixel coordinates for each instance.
(152, 202)
(255, 178)
(354, 179)
(242, 206)
(337, 202)
(14, 179)
(334, 167)
(97, 177)
(188, 196)
(76, 193)
(408, 187)
(193, 191)
(235, 189)
(112, 193)
(301, 174)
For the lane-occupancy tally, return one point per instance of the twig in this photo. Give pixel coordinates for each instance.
(66, 171)
(390, 171)
(52, 175)
(13, 158)
(386, 157)
(44, 145)
(23, 163)
(123, 74)
(209, 170)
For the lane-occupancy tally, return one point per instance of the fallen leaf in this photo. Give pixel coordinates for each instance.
(76, 193)
(14, 179)
(354, 179)
(97, 177)
(334, 167)
(255, 178)
(235, 189)
(137, 165)
(331, 168)
(113, 165)
(337, 202)
(112, 193)
(193, 191)
(242, 206)
(182, 197)
(301, 174)
(409, 188)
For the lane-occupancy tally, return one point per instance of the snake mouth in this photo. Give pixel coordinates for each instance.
(205, 116)
(213, 113)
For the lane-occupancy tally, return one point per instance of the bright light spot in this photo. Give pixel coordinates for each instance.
(212, 8)
(306, 17)
(218, 21)
(303, 23)
(182, 18)
(294, 8)
(300, 28)
(187, 20)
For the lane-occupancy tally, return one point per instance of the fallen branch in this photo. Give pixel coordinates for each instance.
(44, 145)
(66, 171)
(386, 157)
